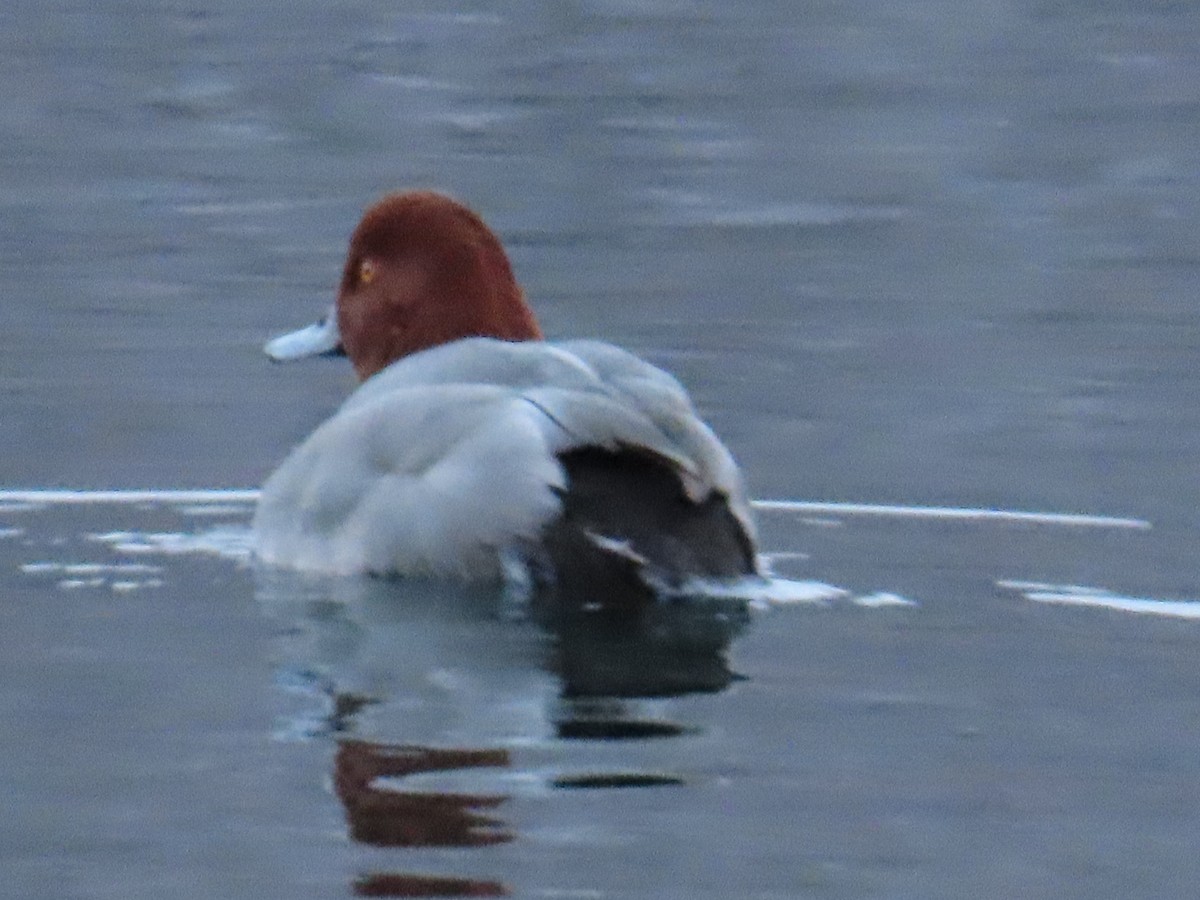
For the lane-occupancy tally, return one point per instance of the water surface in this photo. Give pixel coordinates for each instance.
(911, 254)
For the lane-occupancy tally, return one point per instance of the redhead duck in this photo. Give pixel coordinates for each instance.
(474, 448)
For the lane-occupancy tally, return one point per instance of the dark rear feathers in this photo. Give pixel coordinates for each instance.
(627, 527)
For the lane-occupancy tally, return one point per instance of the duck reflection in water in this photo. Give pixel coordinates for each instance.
(413, 682)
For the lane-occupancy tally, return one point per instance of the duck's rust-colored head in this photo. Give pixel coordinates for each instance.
(422, 269)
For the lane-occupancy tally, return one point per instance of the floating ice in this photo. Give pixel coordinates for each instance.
(1079, 595)
(882, 598)
(229, 542)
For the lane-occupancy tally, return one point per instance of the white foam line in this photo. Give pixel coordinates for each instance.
(1183, 609)
(1047, 588)
(949, 512)
(52, 496)
(250, 495)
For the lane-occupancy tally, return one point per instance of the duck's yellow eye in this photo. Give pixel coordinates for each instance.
(366, 272)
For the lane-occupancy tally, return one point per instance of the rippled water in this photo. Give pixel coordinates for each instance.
(904, 255)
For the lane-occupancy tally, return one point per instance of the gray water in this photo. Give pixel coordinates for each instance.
(902, 253)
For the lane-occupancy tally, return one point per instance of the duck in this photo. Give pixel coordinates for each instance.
(476, 449)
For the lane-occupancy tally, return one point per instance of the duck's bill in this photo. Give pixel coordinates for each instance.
(319, 339)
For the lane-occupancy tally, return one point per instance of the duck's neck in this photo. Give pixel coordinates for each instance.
(501, 311)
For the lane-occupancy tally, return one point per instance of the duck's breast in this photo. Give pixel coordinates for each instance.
(426, 480)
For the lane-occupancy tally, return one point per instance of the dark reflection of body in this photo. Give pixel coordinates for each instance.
(453, 672)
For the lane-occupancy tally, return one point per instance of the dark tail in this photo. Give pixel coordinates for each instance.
(628, 531)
